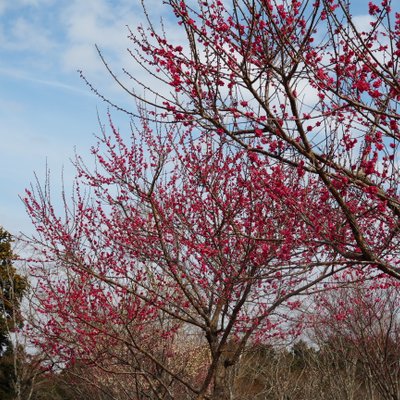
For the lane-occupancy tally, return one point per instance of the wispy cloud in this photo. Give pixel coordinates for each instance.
(20, 75)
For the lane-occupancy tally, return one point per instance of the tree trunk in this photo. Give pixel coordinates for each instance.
(223, 379)
(222, 384)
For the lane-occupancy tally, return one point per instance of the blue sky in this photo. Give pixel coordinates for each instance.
(45, 108)
(46, 111)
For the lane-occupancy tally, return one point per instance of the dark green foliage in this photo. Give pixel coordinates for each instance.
(12, 289)
(7, 374)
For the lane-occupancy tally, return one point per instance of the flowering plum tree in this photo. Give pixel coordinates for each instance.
(268, 166)
(178, 235)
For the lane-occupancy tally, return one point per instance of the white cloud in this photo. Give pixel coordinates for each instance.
(95, 22)
(31, 36)
(24, 35)
(363, 22)
(16, 4)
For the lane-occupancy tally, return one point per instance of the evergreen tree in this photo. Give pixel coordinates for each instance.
(12, 288)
